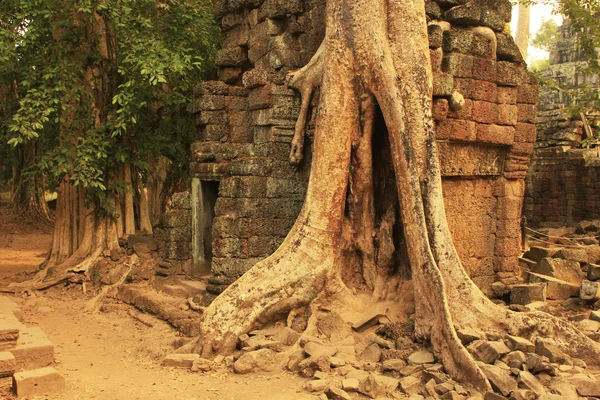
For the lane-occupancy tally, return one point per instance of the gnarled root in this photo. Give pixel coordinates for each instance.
(305, 80)
(290, 278)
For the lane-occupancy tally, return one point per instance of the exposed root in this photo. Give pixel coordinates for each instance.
(246, 305)
(93, 305)
(305, 80)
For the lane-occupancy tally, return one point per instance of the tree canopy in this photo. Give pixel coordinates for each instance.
(143, 56)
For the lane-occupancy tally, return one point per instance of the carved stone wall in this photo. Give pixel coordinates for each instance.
(245, 123)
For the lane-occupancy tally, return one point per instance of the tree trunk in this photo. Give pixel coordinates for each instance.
(373, 50)
(522, 34)
(28, 197)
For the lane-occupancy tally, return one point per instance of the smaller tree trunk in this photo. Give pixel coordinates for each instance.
(522, 34)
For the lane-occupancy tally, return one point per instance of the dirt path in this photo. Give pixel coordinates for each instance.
(23, 245)
(111, 356)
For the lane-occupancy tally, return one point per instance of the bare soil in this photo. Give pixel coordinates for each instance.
(110, 355)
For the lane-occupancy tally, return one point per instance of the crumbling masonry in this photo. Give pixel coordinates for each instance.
(245, 123)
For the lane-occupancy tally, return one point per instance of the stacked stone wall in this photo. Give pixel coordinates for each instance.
(246, 121)
(563, 187)
(176, 233)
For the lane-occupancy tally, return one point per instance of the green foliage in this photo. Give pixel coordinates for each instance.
(101, 82)
(546, 36)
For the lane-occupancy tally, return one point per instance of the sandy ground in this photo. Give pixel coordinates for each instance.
(112, 356)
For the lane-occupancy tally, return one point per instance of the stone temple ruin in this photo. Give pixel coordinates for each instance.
(563, 180)
(246, 195)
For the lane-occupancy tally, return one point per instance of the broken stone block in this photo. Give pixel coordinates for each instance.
(528, 381)
(371, 353)
(378, 385)
(500, 379)
(536, 253)
(468, 335)
(286, 336)
(314, 349)
(254, 361)
(529, 293)
(38, 382)
(517, 343)
(587, 387)
(589, 290)
(493, 396)
(9, 334)
(523, 394)
(180, 360)
(565, 270)
(547, 349)
(295, 358)
(394, 364)
(317, 385)
(556, 289)
(420, 357)
(411, 385)
(202, 365)
(8, 364)
(334, 393)
(595, 316)
(309, 366)
(350, 384)
(484, 351)
(593, 272)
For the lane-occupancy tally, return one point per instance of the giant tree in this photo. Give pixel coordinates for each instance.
(112, 82)
(374, 55)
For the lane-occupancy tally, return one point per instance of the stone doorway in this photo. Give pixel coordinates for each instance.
(204, 198)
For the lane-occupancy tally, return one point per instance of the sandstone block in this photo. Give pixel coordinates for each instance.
(38, 382)
(180, 360)
(456, 129)
(556, 289)
(496, 134)
(589, 290)
(517, 343)
(565, 270)
(525, 294)
(8, 364)
(500, 379)
(255, 361)
(420, 357)
(33, 350)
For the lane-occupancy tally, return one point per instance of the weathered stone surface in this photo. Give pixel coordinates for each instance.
(334, 393)
(589, 290)
(487, 352)
(38, 382)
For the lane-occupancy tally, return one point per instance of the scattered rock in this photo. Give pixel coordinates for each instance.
(202, 365)
(255, 361)
(526, 380)
(556, 289)
(565, 270)
(500, 379)
(371, 353)
(485, 351)
(468, 335)
(420, 357)
(314, 349)
(180, 360)
(378, 385)
(350, 384)
(335, 393)
(309, 366)
(394, 364)
(411, 385)
(547, 349)
(517, 343)
(595, 316)
(286, 336)
(587, 387)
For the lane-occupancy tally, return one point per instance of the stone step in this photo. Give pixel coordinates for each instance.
(38, 382)
(33, 350)
(182, 288)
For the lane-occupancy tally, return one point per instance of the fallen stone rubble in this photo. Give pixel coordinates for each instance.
(26, 354)
(370, 365)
